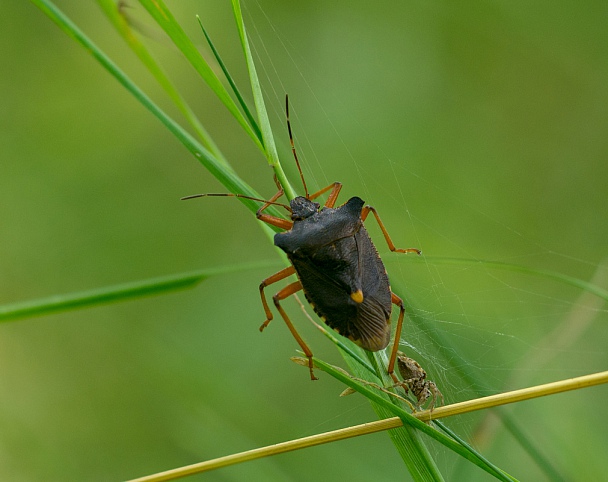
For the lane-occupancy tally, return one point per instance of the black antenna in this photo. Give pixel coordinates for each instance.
(192, 196)
(293, 147)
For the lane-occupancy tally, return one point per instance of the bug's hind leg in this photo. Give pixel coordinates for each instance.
(391, 364)
(281, 295)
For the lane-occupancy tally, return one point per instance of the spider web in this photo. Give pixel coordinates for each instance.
(470, 309)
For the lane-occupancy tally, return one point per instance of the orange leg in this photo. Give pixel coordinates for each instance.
(365, 211)
(284, 273)
(281, 295)
(273, 220)
(391, 364)
(333, 195)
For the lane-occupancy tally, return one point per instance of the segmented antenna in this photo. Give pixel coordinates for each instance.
(242, 196)
(293, 147)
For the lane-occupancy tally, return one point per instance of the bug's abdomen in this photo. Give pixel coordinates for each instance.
(366, 323)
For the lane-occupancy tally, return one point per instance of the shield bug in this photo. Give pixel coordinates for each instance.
(337, 265)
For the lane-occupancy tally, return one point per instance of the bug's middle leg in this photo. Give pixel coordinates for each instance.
(391, 364)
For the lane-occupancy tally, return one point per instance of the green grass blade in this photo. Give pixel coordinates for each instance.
(225, 175)
(444, 428)
(363, 370)
(530, 447)
(161, 14)
(542, 273)
(407, 440)
(235, 89)
(271, 149)
(123, 27)
(350, 351)
(470, 377)
(458, 363)
(119, 292)
(413, 422)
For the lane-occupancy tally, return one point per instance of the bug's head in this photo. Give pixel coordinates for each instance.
(302, 208)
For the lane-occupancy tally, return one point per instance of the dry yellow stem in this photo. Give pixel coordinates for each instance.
(372, 427)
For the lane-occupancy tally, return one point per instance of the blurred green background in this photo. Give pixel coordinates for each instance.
(478, 130)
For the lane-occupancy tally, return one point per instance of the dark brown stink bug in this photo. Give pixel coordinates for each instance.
(337, 265)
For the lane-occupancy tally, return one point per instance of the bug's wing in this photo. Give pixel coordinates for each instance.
(333, 274)
(374, 314)
(371, 329)
(336, 259)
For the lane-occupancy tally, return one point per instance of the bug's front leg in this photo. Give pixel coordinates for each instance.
(273, 220)
(333, 195)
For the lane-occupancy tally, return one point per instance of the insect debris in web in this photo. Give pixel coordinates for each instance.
(414, 380)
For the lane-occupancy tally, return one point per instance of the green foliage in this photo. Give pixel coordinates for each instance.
(458, 362)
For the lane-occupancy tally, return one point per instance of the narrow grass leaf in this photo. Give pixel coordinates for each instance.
(270, 147)
(444, 428)
(413, 422)
(461, 366)
(233, 85)
(345, 345)
(119, 292)
(406, 439)
(222, 173)
(122, 25)
(379, 371)
(378, 426)
(161, 14)
(541, 273)
(531, 448)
